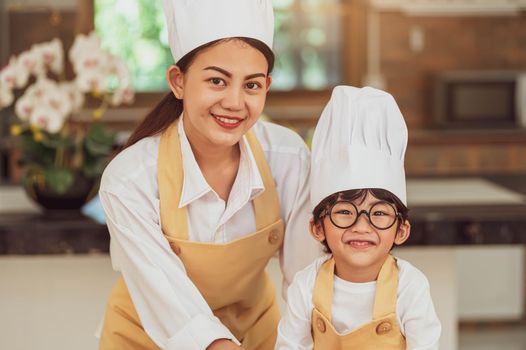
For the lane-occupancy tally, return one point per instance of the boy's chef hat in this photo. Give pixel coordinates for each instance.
(359, 142)
(192, 23)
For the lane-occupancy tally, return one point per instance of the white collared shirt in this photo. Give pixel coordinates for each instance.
(171, 309)
(352, 307)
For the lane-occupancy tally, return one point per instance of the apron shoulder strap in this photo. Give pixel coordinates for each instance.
(170, 177)
(386, 289)
(266, 205)
(323, 289)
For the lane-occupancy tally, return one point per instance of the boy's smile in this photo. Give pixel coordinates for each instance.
(360, 250)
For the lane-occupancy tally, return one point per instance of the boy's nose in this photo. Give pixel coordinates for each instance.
(362, 223)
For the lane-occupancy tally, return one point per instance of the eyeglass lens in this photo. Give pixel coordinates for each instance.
(382, 215)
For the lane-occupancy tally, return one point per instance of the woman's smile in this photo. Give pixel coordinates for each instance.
(227, 122)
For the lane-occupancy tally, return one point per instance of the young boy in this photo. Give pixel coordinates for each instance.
(359, 296)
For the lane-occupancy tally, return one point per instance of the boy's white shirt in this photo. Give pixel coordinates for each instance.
(352, 307)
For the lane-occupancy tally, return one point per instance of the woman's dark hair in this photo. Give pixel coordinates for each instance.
(170, 108)
(352, 195)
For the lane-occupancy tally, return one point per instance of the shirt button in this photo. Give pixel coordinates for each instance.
(383, 328)
(321, 325)
(175, 248)
(273, 237)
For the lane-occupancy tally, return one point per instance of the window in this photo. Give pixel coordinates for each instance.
(307, 42)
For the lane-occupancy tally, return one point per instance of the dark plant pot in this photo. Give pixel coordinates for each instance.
(82, 190)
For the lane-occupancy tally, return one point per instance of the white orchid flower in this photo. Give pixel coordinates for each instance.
(123, 95)
(75, 95)
(25, 64)
(52, 54)
(59, 101)
(45, 118)
(90, 61)
(6, 97)
(35, 60)
(84, 44)
(38, 89)
(24, 107)
(92, 81)
(118, 67)
(8, 75)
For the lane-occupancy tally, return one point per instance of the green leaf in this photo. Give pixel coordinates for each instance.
(99, 140)
(36, 152)
(94, 167)
(59, 180)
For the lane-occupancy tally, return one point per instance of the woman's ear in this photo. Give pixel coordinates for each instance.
(175, 78)
(316, 230)
(404, 231)
(269, 82)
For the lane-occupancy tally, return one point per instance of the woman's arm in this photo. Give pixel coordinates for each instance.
(289, 161)
(172, 311)
(294, 330)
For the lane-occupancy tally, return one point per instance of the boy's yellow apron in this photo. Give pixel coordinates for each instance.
(231, 277)
(383, 332)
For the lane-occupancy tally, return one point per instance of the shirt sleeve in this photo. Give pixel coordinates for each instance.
(171, 309)
(299, 247)
(419, 321)
(294, 330)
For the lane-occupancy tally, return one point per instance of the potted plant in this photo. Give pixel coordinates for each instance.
(62, 156)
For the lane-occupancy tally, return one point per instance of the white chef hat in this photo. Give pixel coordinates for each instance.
(192, 23)
(359, 142)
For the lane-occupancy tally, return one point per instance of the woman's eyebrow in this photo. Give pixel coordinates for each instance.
(229, 75)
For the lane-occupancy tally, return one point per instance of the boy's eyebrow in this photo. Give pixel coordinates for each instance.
(229, 75)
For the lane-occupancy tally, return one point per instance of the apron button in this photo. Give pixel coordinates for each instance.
(321, 325)
(273, 237)
(383, 328)
(176, 249)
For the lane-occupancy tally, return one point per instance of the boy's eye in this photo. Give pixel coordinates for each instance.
(344, 212)
(379, 213)
(253, 86)
(217, 81)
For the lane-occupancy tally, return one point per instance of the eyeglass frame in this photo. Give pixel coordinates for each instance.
(398, 215)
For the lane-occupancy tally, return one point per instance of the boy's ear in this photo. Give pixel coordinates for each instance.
(175, 78)
(404, 231)
(316, 230)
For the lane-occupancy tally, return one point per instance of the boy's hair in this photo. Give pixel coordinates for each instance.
(352, 195)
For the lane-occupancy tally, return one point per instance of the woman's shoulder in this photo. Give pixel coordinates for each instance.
(136, 163)
(277, 138)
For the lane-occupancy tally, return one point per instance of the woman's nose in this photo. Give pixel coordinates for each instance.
(233, 99)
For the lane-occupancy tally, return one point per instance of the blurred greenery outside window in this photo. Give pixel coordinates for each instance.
(307, 42)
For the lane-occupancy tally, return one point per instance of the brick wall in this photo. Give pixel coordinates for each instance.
(450, 43)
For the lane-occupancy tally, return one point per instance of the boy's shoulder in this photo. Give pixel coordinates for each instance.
(410, 277)
(305, 278)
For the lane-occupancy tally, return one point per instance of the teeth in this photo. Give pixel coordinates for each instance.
(227, 120)
(359, 243)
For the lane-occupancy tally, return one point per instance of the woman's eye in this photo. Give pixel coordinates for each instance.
(253, 86)
(217, 81)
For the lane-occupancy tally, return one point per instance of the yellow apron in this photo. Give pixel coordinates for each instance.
(231, 277)
(383, 332)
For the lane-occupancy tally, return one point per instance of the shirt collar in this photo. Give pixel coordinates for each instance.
(194, 183)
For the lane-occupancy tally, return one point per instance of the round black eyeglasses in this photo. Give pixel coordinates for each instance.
(344, 214)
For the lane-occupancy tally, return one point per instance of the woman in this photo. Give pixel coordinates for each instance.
(204, 195)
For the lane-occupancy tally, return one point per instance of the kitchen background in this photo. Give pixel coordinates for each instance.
(458, 71)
